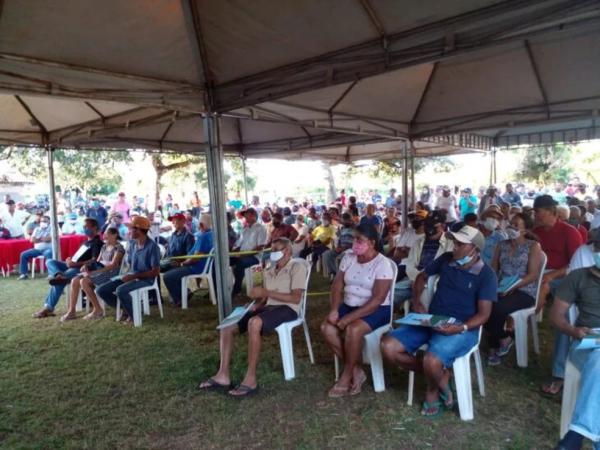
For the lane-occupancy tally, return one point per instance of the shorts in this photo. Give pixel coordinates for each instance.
(375, 320)
(445, 348)
(271, 316)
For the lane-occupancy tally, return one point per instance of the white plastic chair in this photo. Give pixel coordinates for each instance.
(140, 300)
(284, 331)
(41, 261)
(371, 353)
(248, 273)
(521, 317)
(205, 275)
(461, 369)
(570, 386)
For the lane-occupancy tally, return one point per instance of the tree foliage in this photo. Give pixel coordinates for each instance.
(546, 164)
(92, 171)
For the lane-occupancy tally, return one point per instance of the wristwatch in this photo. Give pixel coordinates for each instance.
(465, 328)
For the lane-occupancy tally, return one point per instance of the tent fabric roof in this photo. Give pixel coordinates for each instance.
(296, 76)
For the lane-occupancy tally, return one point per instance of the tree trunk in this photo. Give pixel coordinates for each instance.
(331, 191)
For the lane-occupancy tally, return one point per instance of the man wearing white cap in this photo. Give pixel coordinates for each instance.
(466, 290)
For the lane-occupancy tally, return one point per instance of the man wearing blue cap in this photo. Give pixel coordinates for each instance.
(72, 225)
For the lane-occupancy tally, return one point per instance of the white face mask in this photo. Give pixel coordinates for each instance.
(276, 256)
(491, 224)
(44, 225)
(512, 233)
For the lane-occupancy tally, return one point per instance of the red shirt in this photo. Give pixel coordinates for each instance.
(559, 243)
(284, 230)
(584, 233)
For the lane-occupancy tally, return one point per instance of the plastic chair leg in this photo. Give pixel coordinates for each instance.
(411, 387)
(535, 334)
(249, 280)
(521, 339)
(184, 293)
(373, 353)
(118, 310)
(479, 369)
(287, 352)
(211, 290)
(159, 301)
(308, 342)
(137, 308)
(569, 396)
(406, 307)
(462, 379)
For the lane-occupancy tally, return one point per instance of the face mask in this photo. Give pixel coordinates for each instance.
(276, 256)
(88, 232)
(44, 225)
(465, 260)
(512, 233)
(95, 204)
(326, 223)
(597, 260)
(491, 224)
(360, 247)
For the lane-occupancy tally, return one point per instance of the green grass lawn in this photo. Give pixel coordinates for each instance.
(104, 385)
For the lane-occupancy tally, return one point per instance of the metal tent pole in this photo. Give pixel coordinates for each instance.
(214, 166)
(52, 202)
(405, 187)
(245, 182)
(413, 197)
(494, 166)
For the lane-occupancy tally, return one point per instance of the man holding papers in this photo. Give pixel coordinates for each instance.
(465, 291)
(144, 267)
(61, 273)
(277, 302)
(582, 289)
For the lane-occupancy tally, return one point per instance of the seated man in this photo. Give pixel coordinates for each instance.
(331, 258)
(33, 223)
(61, 273)
(491, 219)
(320, 239)
(144, 266)
(277, 302)
(581, 288)
(281, 229)
(253, 238)
(72, 225)
(466, 290)
(41, 239)
(190, 266)
(11, 220)
(180, 243)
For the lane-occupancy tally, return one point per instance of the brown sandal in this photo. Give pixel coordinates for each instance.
(554, 387)
(338, 391)
(357, 386)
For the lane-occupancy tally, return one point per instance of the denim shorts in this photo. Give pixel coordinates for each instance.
(445, 348)
(377, 319)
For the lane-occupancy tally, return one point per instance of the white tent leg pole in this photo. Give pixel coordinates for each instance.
(405, 187)
(214, 166)
(245, 182)
(52, 202)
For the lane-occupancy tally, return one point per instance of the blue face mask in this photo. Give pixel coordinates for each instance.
(88, 232)
(597, 260)
(464, 260)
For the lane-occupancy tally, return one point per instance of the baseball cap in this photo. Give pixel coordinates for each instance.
(73, 216)
(544, 201)
(176, 216)
(140, 222)
(469, 235)
(419, 215)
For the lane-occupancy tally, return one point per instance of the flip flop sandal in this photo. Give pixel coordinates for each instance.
(553, 388)
(247, 391)
(357, 389)
(67, 318)
(338, 391)
(445, 395)
(431, 410)
(214, 386)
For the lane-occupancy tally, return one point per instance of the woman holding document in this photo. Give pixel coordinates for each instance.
(275, 303)
(516, 262)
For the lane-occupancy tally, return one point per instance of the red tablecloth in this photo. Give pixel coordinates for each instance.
(11, 249)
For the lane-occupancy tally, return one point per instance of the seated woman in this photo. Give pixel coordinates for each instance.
(360, 303)
(109, 261)
(519, 256)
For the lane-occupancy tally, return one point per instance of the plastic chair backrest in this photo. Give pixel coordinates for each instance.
(209, 262)
(395, 275)
(308, 267)
(573, 312)
(431, 285)
(543, 262)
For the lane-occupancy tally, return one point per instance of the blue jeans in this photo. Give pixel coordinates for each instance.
(330, 261)
(585, 420)
(402, 292)
(32, 253)
(109, 292)
(55, 267)
(240, 264)
(172, 280)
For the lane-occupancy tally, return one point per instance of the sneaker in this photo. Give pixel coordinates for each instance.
(22, 277)
(494, 359)
(504, 349)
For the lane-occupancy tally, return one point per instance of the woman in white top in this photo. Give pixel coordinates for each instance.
(300, 243)
(360, 303)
